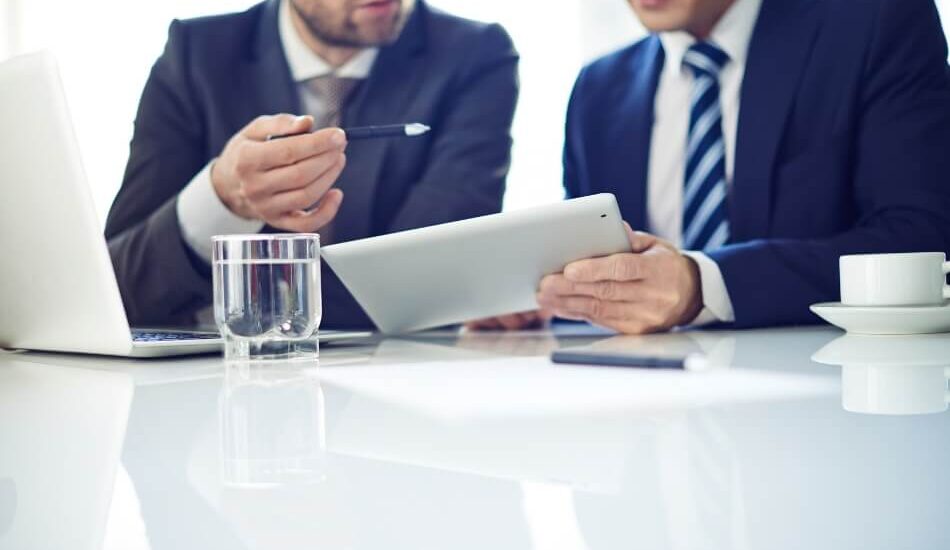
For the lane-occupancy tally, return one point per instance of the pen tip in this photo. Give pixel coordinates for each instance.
(416, 129)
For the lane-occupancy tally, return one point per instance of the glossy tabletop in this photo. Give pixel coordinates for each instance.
(789, 439)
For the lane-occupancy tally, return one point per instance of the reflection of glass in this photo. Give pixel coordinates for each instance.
(272, 426)
(891, 374)
(267, 295)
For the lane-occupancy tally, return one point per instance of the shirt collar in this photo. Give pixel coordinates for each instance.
(732, 33)
(305, 65)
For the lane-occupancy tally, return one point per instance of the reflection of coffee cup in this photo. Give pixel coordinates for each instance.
(912, 279)
(889, 389)
(891, 374)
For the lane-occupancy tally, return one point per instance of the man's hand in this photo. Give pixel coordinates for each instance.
(278, 181)
(654, 288)
(513, 321)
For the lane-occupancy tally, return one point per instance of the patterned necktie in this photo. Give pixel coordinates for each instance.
(705, 221)
(333, 91)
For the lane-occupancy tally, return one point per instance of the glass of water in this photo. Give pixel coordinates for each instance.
(267, 296)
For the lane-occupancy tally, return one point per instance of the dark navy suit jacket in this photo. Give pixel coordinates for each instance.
(219, 73)
(843, 145)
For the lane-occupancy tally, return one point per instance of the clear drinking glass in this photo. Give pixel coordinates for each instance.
(267, 296)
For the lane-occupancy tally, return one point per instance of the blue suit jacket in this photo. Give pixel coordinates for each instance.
(843, 145)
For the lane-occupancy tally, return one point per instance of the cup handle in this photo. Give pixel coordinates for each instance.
(946, 287)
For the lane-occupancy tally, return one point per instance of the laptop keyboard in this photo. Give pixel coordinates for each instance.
(158, 336)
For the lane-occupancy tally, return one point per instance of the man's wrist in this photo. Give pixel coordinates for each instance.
(717, 306)
(202, 214)
(694, 298)
(231, 200)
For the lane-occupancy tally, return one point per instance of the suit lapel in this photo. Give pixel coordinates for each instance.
(778, 52)
(381, 99)
(631, 143)
(266, 86)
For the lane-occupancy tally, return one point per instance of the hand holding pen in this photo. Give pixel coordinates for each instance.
(288, 183)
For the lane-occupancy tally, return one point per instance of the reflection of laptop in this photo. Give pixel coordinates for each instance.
(61, 431)
(58, 291)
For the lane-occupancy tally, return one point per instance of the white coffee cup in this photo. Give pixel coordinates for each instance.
(909, 279)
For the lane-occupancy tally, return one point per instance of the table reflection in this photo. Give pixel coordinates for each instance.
(61, 432)
(891, 375)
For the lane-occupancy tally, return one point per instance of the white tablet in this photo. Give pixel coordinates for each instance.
(470, 269)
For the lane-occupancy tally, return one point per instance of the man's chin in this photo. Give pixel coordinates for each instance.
(378, 33)
(655, 22)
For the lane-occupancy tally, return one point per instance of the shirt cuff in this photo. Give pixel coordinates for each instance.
(717, 306)
(202, 215)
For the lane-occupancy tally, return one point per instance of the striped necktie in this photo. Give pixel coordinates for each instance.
(705, 221)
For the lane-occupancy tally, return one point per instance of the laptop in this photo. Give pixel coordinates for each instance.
(58, 291)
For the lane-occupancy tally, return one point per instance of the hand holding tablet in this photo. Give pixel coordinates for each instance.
(476, 268)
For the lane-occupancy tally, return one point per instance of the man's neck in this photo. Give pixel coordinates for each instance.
(335, 56)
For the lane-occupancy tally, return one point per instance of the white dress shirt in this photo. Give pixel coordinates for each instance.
(201, 214)
(671, 127)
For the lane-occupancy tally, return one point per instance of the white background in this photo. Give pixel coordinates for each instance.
(107, 47)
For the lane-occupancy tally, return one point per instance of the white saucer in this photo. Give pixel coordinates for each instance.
(886, 319)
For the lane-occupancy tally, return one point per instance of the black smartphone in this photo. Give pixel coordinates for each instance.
(587, 356)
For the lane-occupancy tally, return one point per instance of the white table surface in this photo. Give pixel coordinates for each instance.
(477, 441)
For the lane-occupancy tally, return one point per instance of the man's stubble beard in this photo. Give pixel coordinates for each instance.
(348, 36)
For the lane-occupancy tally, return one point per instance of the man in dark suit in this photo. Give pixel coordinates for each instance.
(757, 141)
(200, 163)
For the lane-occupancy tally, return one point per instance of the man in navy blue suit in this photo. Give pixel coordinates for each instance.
(755, 142)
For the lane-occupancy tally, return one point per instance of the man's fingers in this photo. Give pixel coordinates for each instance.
(260, 156)
(511, 321)
(556, 285)
(484, 324)
(304, 198)
(587, 307)
(515, 321)
(617, 291)
(620, 316)
(570, 315)
(272, 125)
(532, 319)
(628, 326)
(639, 241)
(309, 222)
(289, 178)
(616, 267)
